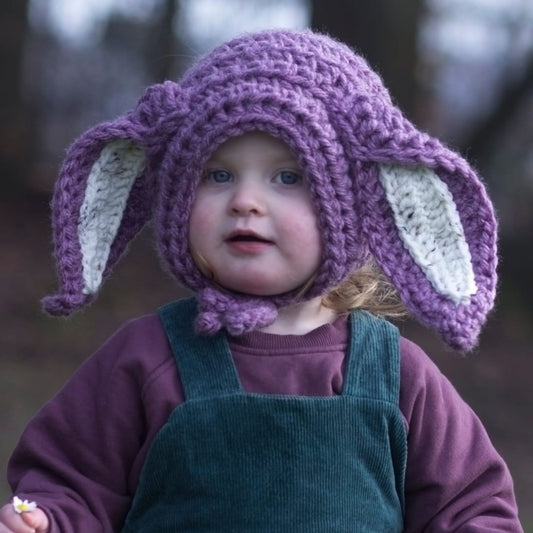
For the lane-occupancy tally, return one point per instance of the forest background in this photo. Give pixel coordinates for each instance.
(460, 69)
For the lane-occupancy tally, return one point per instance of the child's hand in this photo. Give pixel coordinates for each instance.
(34, 521)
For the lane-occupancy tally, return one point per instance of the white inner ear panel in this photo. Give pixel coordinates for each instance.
(429, 225)
(109, 184)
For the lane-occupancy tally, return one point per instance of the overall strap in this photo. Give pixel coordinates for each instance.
(205, 363)
(373, 368)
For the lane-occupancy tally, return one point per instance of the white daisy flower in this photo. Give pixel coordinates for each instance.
(23, 506)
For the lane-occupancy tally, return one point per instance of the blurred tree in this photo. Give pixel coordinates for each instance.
(513, 97)
(384, 31)
(163, 44)
(14, 124)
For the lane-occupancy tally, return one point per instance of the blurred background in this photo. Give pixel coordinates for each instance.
(460, 69)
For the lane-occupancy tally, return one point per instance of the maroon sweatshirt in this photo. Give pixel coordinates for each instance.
(81, 456)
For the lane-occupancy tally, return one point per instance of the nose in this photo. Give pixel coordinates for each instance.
(247, 199)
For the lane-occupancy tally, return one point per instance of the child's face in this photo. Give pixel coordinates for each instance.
(252, 220)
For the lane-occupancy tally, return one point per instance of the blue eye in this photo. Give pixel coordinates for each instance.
(219, 176)
(288, 177)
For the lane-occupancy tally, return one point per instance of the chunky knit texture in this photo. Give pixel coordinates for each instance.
(379, 185)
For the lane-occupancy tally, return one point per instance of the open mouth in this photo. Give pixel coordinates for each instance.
(247, 237)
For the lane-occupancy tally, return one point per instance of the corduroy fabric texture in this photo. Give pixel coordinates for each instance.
(228, 461)
(336, 116)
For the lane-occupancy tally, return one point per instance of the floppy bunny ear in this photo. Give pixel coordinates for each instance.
(101, 200)
(105, 193)
(427, 219)
(430, 229)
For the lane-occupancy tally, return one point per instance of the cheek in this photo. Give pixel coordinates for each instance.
(300, 225)
(201, 223)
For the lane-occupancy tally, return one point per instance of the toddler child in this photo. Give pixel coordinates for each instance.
(296, 201)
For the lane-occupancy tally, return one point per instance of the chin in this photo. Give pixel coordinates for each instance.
(254, 289)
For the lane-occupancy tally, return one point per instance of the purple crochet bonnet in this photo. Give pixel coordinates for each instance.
(380, 186)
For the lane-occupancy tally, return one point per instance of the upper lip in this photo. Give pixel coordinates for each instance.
(246, 234)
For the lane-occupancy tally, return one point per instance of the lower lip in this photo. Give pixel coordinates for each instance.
(249, 247)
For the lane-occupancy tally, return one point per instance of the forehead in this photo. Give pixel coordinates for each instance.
(254, 145)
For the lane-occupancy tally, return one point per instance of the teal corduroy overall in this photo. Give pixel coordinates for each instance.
(231, 461)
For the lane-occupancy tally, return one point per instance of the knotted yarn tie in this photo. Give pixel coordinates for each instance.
(217, 311)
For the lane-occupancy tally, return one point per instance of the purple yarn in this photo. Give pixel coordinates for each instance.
(334, 113)
(217, 310)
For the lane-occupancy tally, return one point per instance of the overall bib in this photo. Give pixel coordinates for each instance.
(231, 461)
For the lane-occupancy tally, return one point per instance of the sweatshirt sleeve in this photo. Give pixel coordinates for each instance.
(80, 456)
(455, 479)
